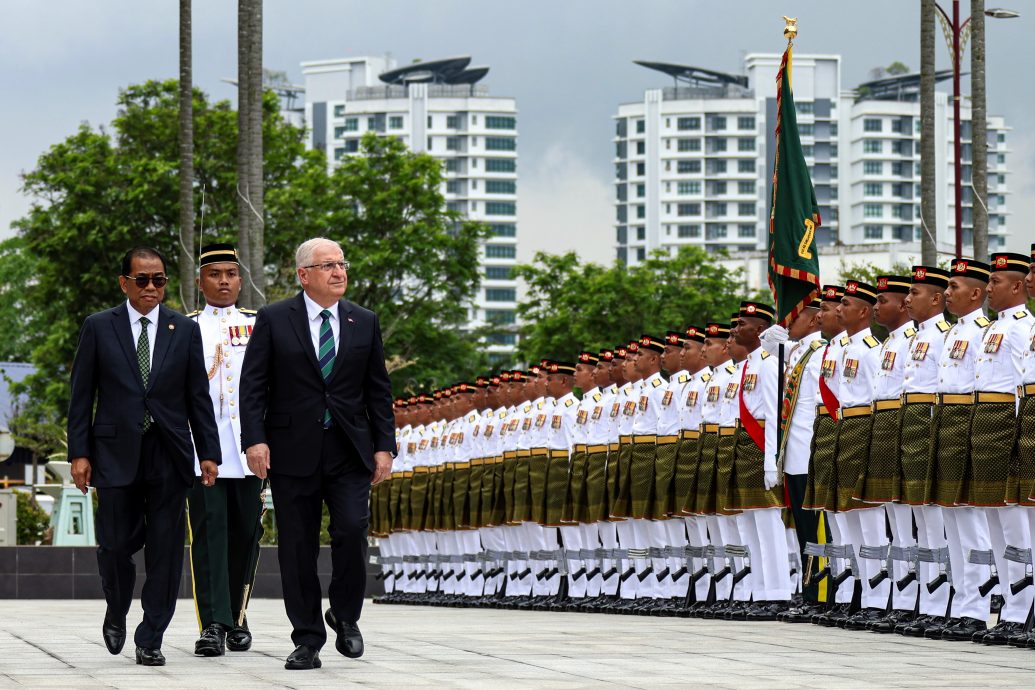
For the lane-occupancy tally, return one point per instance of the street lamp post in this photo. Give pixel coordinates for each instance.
(956, 35)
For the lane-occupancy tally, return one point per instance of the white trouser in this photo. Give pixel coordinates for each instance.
(766, 539)
(608, 532)
(591, 540)
(901, 519)
(793, 548)
(715, 538)
(930, 534)
(697, 535)
(730, 531)
(627, 538)
(866, 527)
(1008, 526)
(837, 525)
(966, 530)
(571, 539)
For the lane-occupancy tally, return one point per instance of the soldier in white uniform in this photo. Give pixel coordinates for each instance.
(224, 519)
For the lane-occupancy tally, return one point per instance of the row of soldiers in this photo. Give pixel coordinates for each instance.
(881, 485)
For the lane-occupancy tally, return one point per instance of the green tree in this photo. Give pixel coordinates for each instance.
(570, 305)
(103, 190)
(18, 268)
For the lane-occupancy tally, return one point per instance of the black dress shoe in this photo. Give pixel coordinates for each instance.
(1000, 634)
(240, 638)
(150, 657)
(350, 639)
(964, 629)
(114, 633)
(304, 657)
(212, 641)
(862, 619)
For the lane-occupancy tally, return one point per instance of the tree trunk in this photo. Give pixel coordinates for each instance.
(928, 165)
(244, 28)
(188, 294)
(255, 152)
(979, 130)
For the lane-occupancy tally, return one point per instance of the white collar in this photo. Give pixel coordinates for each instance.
(135, 316)
(313, 309)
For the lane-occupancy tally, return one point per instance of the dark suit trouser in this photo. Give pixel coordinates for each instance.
(224, 528)
(342, 481)
(148, 514)
(806, 525)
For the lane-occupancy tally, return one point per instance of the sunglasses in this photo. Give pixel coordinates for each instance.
(159, 280)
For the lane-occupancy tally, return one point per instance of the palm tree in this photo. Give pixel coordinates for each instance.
(186, 249)
(928, 166)
(250, 206)
(979, 129)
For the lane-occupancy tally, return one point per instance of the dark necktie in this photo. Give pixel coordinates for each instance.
(326, 356)
(144, 361)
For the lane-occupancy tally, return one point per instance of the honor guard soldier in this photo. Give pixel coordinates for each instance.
(863, 524)
(1025, 449)
(755, 493)
(966, 528)
(224, 519)
(882, 475)
(993, 485)
(925, 304)
(797, 420)
(577, 506)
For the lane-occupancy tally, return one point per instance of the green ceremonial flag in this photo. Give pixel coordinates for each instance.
(794, 215)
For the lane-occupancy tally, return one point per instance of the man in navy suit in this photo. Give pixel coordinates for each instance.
(139, 394)
(316, 411)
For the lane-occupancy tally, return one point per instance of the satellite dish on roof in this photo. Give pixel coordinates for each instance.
(6, 444)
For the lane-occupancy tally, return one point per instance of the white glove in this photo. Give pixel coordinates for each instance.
(773, 337)
(770, 479)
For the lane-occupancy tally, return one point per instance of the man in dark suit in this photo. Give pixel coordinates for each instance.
(142, 365)
(316, 410)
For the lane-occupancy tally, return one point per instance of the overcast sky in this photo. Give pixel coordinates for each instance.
(568, 63)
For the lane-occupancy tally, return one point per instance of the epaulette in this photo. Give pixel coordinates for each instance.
(910, 332)
(818, 343)
(527, 407)
(871, 342)
(683, 378)
(503, 413)
(943, 326)
(843, 342)
(472, 417)
(656, 382)
(731, 368)
(569, 402)
(248, 312)
(1020, 314)
(765, 354)
(192, 314)
(706, 377)
(597, 397)
(982, 321)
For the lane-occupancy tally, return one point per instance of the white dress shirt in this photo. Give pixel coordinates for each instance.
(152, 329)
(315, 321)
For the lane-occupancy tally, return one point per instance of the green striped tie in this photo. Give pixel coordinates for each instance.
(326, 356)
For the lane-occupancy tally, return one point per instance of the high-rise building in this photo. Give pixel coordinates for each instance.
(694, 161)
(440, 108)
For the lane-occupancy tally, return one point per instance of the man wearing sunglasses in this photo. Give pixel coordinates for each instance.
(316, 406)
(139, 395)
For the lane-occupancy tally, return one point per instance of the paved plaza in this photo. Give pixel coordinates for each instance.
(57, 644)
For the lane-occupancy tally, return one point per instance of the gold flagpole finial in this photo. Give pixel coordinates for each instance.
(790, 30)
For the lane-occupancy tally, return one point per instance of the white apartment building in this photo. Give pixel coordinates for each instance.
(694, 161)
(438, 108)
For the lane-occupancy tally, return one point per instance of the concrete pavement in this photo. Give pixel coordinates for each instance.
(57, 644)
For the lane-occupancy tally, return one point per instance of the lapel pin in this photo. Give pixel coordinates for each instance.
(172, 327)
(350, 320)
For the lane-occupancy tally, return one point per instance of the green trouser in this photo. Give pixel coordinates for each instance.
(224, 525)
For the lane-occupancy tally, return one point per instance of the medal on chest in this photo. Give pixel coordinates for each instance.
(828, 369)
(713, 394)
(643, 403)
(597, 411)
(555, 421)
(750, 382)
(691, 399)
(614, 410)
(959, 349)
(239, 335)
(851, 368)
(993, 342)
(514, 424)
(540, 419)
(920, 351)
(581, 417)
(526, 424)
(888, 362)
(629, 409)
(731, 390)
(488, 430)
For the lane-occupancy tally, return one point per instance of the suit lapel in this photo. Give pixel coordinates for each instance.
(300, 322)
(163, 335)
(345, 328)
(124, 336)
